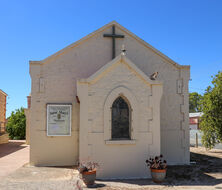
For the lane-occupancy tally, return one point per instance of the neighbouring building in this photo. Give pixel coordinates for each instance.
(3, 135)
(97, 100)
(27, 114)
(194, 120)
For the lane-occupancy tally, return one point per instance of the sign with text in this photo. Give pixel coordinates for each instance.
(58, 120)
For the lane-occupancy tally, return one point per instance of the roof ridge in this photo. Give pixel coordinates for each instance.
(72, 45)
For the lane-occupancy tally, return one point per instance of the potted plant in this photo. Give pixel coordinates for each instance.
(158, 168)
(88, 172)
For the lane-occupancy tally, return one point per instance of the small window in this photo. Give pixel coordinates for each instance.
(120, 119)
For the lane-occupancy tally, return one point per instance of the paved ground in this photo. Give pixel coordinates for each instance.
(13, 155)
(204, 174)
(40, 178)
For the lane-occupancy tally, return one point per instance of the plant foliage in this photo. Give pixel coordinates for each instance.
(157, 163)
(195, 104)
(16, 124)
(87, 166)
(211, 121)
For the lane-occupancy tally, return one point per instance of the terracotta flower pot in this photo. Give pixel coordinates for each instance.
(89, 177)
(158, 175)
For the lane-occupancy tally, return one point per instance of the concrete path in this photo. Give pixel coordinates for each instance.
(55, 178)
(41, 178)
(206, 174)
(13, 155)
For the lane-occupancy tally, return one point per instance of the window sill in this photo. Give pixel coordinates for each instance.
(120, 142)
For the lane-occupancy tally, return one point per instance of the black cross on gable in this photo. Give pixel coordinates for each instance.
(113, 36)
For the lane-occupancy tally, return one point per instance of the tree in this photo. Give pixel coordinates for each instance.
(16, 124)
(211, 121)
(195, 102)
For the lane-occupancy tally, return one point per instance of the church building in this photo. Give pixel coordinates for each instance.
(109, 98)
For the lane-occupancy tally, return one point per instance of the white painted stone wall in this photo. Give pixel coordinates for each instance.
(45, 150)
(123, 158)
(60, 73)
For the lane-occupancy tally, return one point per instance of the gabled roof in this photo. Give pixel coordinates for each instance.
(1, 91)
(120, 59)
(66, 49)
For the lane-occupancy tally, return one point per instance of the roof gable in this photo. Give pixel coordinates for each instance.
(1, 91)
(121, 59)
(82, 40)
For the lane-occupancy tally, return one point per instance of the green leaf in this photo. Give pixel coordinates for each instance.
(211, 120)
(16, 125)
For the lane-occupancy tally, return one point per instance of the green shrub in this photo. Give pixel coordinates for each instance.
(16, 124)
(211, 121)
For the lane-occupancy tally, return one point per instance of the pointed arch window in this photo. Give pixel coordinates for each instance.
(120, 119)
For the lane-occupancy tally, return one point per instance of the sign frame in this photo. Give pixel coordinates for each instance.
(47, 120)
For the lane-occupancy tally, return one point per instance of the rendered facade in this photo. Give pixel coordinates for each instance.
(90, 75)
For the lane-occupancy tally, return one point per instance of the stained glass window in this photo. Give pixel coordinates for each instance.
(120, 119)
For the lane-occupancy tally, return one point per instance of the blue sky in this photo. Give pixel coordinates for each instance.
(188, 31)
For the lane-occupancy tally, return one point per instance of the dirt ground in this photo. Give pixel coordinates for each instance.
(205, 173)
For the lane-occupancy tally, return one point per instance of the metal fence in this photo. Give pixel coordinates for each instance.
(195, 138)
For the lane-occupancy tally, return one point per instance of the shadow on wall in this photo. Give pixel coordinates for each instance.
(10, 147)
(207, 171)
